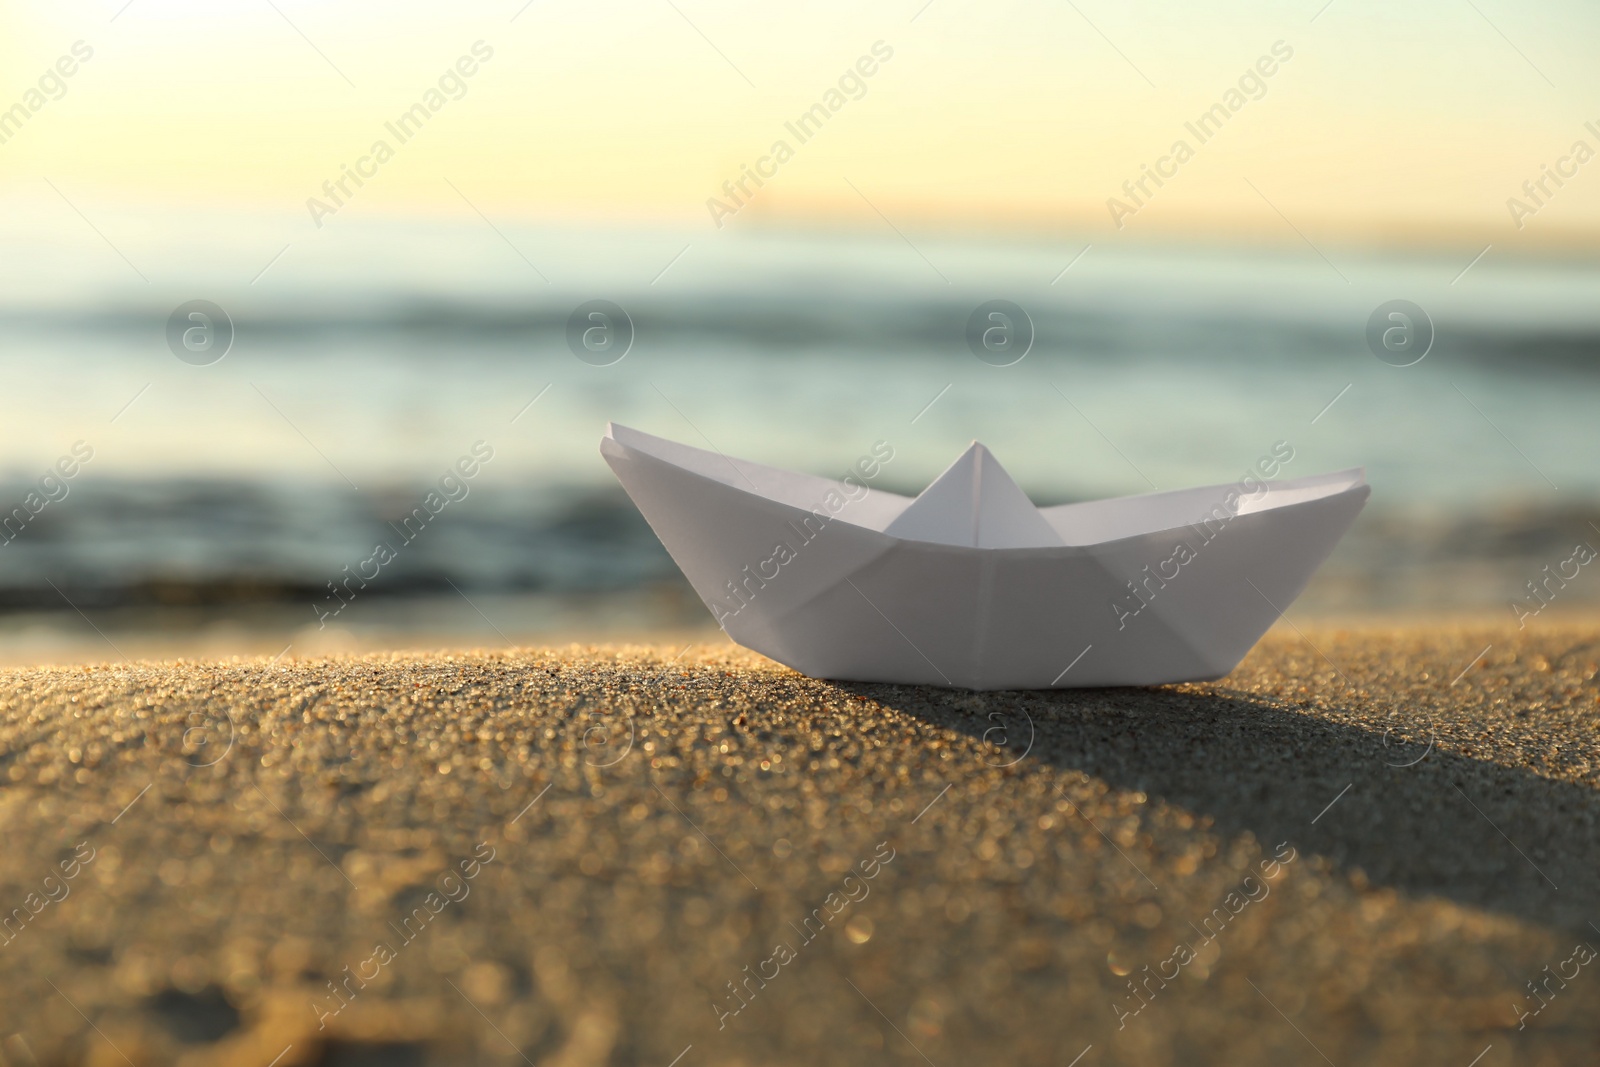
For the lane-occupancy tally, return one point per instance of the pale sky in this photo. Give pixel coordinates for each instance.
(1389, 123)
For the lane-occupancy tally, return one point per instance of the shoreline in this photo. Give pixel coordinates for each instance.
(65, 639)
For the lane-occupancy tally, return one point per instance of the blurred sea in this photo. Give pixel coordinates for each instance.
(366, 362)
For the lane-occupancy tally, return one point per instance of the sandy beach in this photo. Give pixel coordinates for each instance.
(1364, 846)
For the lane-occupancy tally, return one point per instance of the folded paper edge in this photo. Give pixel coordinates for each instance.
(1351, 479)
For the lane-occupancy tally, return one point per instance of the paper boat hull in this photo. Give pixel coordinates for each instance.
(843, 601)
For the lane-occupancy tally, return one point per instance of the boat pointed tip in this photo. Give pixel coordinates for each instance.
(977, 452)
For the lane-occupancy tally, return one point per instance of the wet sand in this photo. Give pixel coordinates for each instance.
(1360, 847)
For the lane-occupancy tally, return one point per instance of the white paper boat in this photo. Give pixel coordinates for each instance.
(972, 586)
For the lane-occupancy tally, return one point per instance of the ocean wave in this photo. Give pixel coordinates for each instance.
(118, 543)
